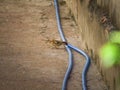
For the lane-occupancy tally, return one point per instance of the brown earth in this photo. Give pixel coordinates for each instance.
(27, 61)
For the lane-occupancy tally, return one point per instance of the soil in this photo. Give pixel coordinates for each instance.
(27, 61)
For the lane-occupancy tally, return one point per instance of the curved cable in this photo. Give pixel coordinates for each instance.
(58, 21)
(70, 66)
(68, 48)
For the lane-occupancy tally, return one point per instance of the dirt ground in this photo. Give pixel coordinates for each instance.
(27, 61)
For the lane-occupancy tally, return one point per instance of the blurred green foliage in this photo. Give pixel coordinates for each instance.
(110, 52)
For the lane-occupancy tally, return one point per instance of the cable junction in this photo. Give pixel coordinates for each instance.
(70, 47)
